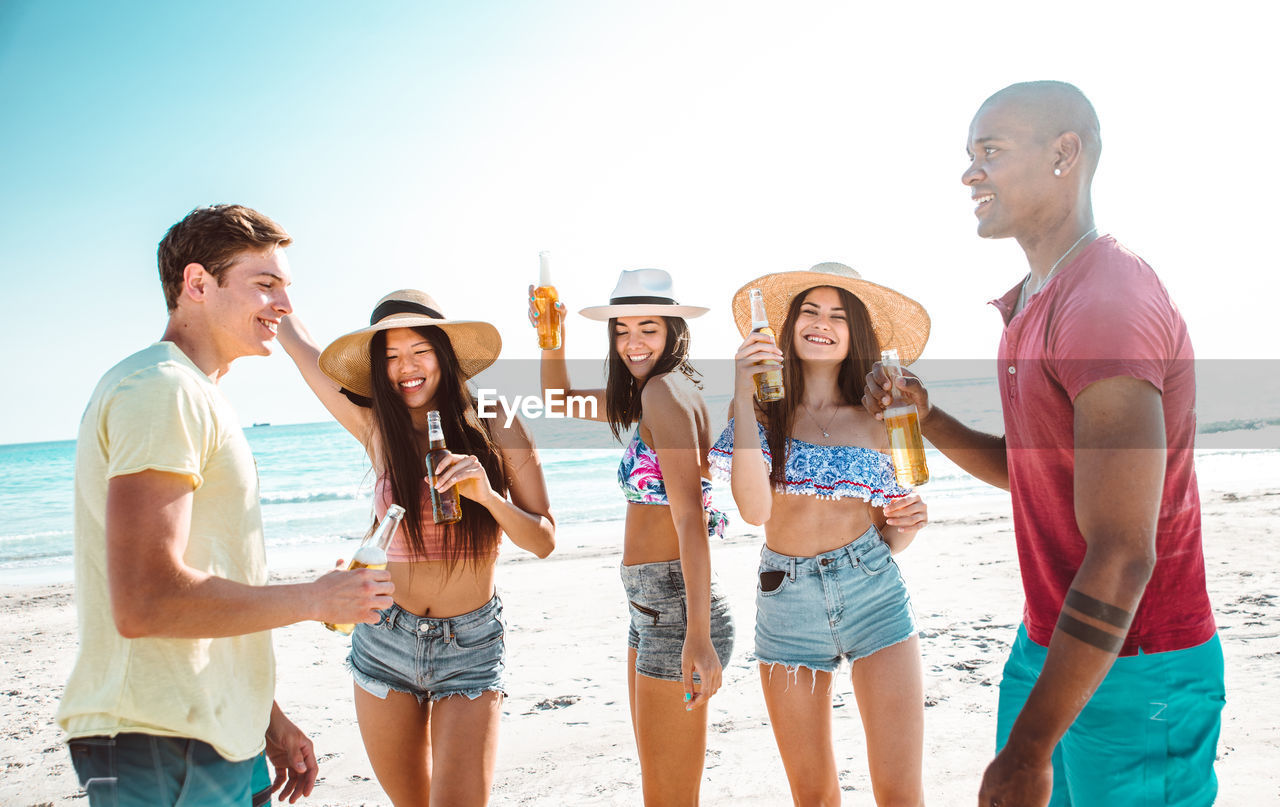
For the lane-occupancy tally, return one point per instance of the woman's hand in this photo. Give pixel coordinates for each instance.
(756, 349)
(699, 655)
(907, 514)
(468, 474)
(534, 315)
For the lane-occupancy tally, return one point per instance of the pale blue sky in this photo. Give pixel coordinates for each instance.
(442, 145)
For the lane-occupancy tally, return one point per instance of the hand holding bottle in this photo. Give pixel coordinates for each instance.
(757, 349)
(878, 394)
(347, 597)
(467, 474)
(545, 311)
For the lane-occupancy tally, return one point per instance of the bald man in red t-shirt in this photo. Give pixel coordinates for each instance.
(1113, 691)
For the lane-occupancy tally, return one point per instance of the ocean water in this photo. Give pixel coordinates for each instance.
(316, 485)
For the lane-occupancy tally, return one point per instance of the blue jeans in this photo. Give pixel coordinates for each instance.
(1147, 737)
(141, 770)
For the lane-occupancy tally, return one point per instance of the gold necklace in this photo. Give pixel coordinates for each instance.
(824, 431)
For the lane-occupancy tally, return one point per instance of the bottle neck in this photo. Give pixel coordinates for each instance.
(544, 269)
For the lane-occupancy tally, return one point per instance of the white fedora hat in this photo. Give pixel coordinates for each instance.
(640, 292)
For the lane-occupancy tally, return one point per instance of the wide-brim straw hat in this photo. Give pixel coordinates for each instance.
(643, 292)
(899, 321)
(346, 360)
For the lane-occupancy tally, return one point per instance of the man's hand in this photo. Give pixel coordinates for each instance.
(1013, 782)
(293, 757)
(878, 393)
(352, 597)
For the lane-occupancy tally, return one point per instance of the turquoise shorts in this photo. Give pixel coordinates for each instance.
(1147, 737)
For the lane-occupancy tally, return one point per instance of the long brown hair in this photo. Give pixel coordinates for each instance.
(622, 390)
(864, 351)
(476, 535)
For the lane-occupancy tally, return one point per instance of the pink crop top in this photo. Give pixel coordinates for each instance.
(433, 534)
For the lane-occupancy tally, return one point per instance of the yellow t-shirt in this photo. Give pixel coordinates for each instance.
(156, 411)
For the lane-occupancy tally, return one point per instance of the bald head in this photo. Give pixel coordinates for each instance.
(1053, 108)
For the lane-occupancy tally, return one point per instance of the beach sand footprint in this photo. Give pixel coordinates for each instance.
(547, 704)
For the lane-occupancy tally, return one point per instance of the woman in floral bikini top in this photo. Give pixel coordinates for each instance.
(680, 635)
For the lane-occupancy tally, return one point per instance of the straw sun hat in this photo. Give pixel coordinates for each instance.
(346, 359)
(898, 321)
(643, 292)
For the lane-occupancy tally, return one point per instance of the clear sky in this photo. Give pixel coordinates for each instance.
(442, 145)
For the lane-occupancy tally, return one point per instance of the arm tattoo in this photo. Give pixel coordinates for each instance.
(1107, 642)
(1099, 610)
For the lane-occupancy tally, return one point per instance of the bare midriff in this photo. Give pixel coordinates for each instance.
(650, 535)
(804, 526)
(430, 588)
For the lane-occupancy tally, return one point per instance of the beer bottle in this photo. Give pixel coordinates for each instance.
(545, 298)
(446, 507)
(902, 419)
(372, 553)
(769, 381)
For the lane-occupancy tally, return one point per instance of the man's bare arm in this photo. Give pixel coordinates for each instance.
(977, 453)
(155, 593)
(1119, 478)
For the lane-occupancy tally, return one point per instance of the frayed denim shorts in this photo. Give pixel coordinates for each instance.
(655, 593)
(431, 658)
(843, 604)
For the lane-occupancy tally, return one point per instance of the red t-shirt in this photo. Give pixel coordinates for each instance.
(1105, 314)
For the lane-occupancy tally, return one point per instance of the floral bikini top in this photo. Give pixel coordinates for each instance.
(641, 481)
(828, 472)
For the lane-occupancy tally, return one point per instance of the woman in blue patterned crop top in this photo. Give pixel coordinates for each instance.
(812, 469)
(674, 661)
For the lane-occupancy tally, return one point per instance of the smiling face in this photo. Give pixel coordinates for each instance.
(412, 367)
(639, 342)
(244, 305)
(821, 329)
(1010, 173)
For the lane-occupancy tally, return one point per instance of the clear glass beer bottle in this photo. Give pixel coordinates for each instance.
(372, 553)
(902, 420)
(768, 382)
(545, 298)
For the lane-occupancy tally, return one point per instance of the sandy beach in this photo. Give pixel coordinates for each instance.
(566, 734)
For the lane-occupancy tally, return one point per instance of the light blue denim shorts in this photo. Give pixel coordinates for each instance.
(656, 599)
(431, 658)
(843, 604)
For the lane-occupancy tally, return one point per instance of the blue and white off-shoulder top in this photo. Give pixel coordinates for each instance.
(829, 472)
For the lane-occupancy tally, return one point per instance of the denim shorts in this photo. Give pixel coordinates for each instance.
(142, 770)
(658, 608)
(843, 604)
(431, 658)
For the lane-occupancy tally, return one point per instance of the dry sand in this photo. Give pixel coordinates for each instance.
(566, 733)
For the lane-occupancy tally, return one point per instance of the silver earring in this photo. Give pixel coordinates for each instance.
(1057, 172)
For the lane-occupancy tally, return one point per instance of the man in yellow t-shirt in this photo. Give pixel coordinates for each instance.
(171, 695)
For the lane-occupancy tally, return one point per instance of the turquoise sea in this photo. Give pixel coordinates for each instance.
(316, 485)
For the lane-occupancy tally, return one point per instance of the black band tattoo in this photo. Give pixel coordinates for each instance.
(1088, 634)
(1099, 610)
